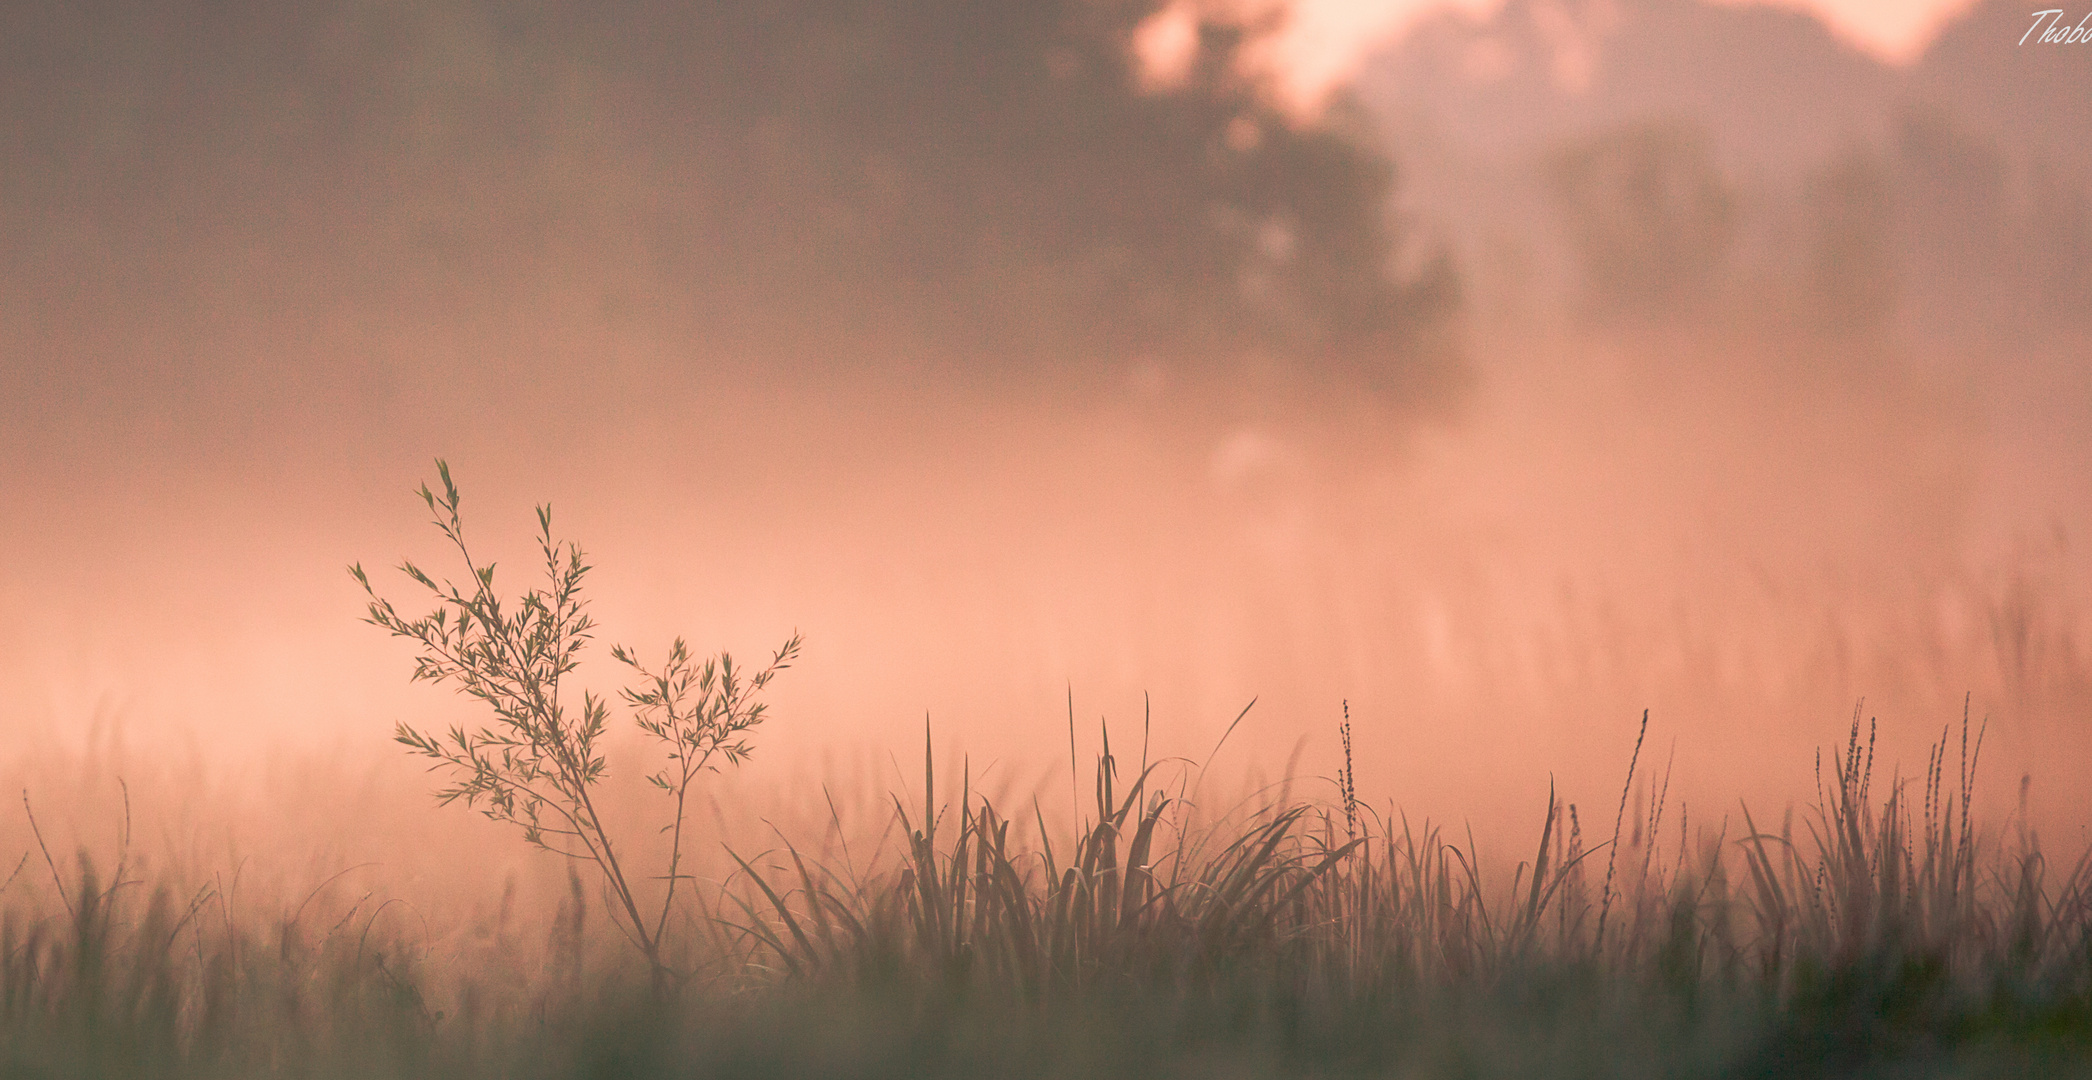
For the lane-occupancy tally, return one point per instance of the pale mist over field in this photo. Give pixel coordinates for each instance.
(1582, 358)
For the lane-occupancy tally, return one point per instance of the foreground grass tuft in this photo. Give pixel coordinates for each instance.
(1883, 935)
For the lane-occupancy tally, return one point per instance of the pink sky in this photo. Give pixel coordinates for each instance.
(1327, 37)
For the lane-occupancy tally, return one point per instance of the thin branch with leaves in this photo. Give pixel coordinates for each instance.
(536, 766)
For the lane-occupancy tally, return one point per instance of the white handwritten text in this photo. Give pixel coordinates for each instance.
(2056, 34)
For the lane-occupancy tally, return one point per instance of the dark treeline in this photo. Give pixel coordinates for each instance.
(983, 189)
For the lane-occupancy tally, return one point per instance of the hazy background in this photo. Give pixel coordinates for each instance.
(1538, 365)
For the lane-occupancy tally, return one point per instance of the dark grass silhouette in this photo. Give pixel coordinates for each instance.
(1883, 935)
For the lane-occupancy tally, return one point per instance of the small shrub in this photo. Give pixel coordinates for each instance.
(536, 766)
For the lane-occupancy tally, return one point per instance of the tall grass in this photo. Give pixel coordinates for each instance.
(1276, 935)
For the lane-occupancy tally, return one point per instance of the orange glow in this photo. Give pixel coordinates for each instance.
(1070, 393)
(1321, 43)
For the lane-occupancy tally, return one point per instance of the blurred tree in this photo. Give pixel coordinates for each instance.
(1851, 278)
(1952, 184)
(1649, 216)
(1955, 181)
(997, 177)
(2057, 238)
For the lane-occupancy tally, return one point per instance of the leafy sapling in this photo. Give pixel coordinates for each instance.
(537, 764)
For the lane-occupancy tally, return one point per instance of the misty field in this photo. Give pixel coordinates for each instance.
(1511, 407)
(1165, 928)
